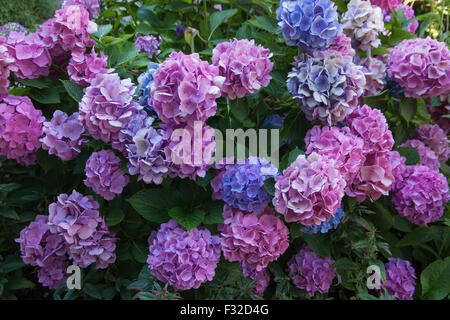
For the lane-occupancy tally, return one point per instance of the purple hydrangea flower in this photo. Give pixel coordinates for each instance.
(398, 165)
(311, 272)
(6, 66)
(274, 120)
(183, 259)
(387, 5)
(9, 27)
(262, 279)
(92, 6)
(400, 279)
(82, 67)
(310, 24)
(435, 138)
(326, 226)
(53, 273)
(149, 45)
(62, 136)
(427, 156)
(179, 30)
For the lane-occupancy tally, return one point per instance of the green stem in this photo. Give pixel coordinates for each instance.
(443, 243)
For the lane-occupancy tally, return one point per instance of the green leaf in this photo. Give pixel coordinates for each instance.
(9, 213)
(73, 89)
(411, 154)
(103, 30)
(11, 266)
(45, 95)
(408, 108)
(266, 23)
(418, 236)
(139, 252)
(217, 18)
(8, 187)
(151, 204)
(269, 185)
(435, 280)
(344, 264)
(19, 283)
(239, 109)
(214, 212)
(127, 52)
(295, 127)
(92, 291)
(189, 220)
(39, 83)
(114, 216)
(318, 244)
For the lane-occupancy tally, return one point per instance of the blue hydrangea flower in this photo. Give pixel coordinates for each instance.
(273, 120)
(325, 226)
(6, 29)
(179, 31)
(145, 81)
(310, 24)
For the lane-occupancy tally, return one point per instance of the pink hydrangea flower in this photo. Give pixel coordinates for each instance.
(92, 6)
(398, 165)
(262, 279)
(421, 195)
(103, 174)
(343, 45)
(82, 67)
(245, 66)
(253, 239)
(421, 67)
(427, 156)
(31, 56)
(185, 89)
(62, 136)
(435, 138)
(310, 190)
(20, 129)
(6, 65)
(387, 5)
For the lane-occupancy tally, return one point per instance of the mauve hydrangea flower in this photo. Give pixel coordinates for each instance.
(310, 190)
(31, 56)
(53, 273)
(427, 156)
(183, 259)
(327, 86)
(20, 129)
(397, 164)
(262, 279)
(83, 67)
(326, 226)
(242, 185)
(435, 138)
(245, 66)
(343, 45)
(189, 149)
(9, 27)
(363, 22)
(99, 248)
(149, 45)
(421, 195)
(311, 272)
(62, 136)
(310, 24)
(437, 114)
(253, 239)
(400, 279)
(107, 105)
(6, 65)
(74, 216)
(92, 6)
(387, 5)
(103, 174)
(375, 71)
(338, 144)
(145, 81)
(185, 89)
(421, 67)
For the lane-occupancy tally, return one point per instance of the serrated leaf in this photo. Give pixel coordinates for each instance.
(103, 30)
(408, 108)
(411, 154)
(266, 23)
(114, 216)
(139, 252)
(92, 291)
(151, 204)
(189, 220)
(435, 280)
(214, 213)
(19, 283)
(45, 95)
(9, 213)
(418, 236)
(217, 18)
(73, 89)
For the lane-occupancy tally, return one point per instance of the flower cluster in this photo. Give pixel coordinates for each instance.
(103, 174)
(375, 72)
(145, 81)
(244, 65)
(435, 138)
(9, 27)
(309, 24)
(427, 156)
(92, 6)
(397, 164)
(311, 272)
(253, 239)
(62, 135)
(6, 65)
(310, 190)
(82, 67)
(241, 185)
(387, 5)
(149, 45)
(400, 279)
(343, 45)
(183, 259)
(421, 67)
(262, 279)
(20, 129)
(326, 226)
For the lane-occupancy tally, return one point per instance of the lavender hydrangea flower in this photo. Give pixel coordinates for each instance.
(53, 273)
(435, 138)
(82, 67)
(62, 136)
(262, 279)
(326, 226)
(149, 45)
(310, 24)
(6, 66)
(103, 174)
(145, 81)
(92, 6)
(311, 272)
(242, 185)
(375, 72)
(427, 156)
(400, 279)
(183, 259)
(9, 27)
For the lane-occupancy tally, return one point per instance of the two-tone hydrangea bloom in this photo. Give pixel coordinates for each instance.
(427, 156)
(31, 56)
(253, 239)
(435, 138)
(54, 272)
(421, 67)
(262, 279)
(83, 67)
(6, 65)
(343, 45)
(397, 164)
(20, 129)
(107, 105)
(245, 66)
(145, 81)
(185, 89)
(327, 86)
(311, 272)
(421, 195)
(242, 185)
(74, 216)
(309, 24)
(99, 248)
(400, 279)
(326, 226)
(103, 174)
(409, 14)
(92, 6)
(183, 259)
(148, 44)
(310, 190)
(387, 5)
(9, 27)
(375, 72)
(62, 135)
(363, 22)
(339, 144)
(189, 149)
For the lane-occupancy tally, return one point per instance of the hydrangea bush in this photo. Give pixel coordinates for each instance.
(112, 115)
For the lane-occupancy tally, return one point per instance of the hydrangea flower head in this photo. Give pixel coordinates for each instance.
(400, 279)
(6, 66)
(148, 44)
(262, 279)
(183, 259)
(343, 45)
(375, 71)
(398, 165)
(387, 5)
(427, 156)
(435, 138)
(9, 27)
(54, 272)
(83, 67)
(92, 6)
(145, 81)
(326, 226)
(309, 24)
